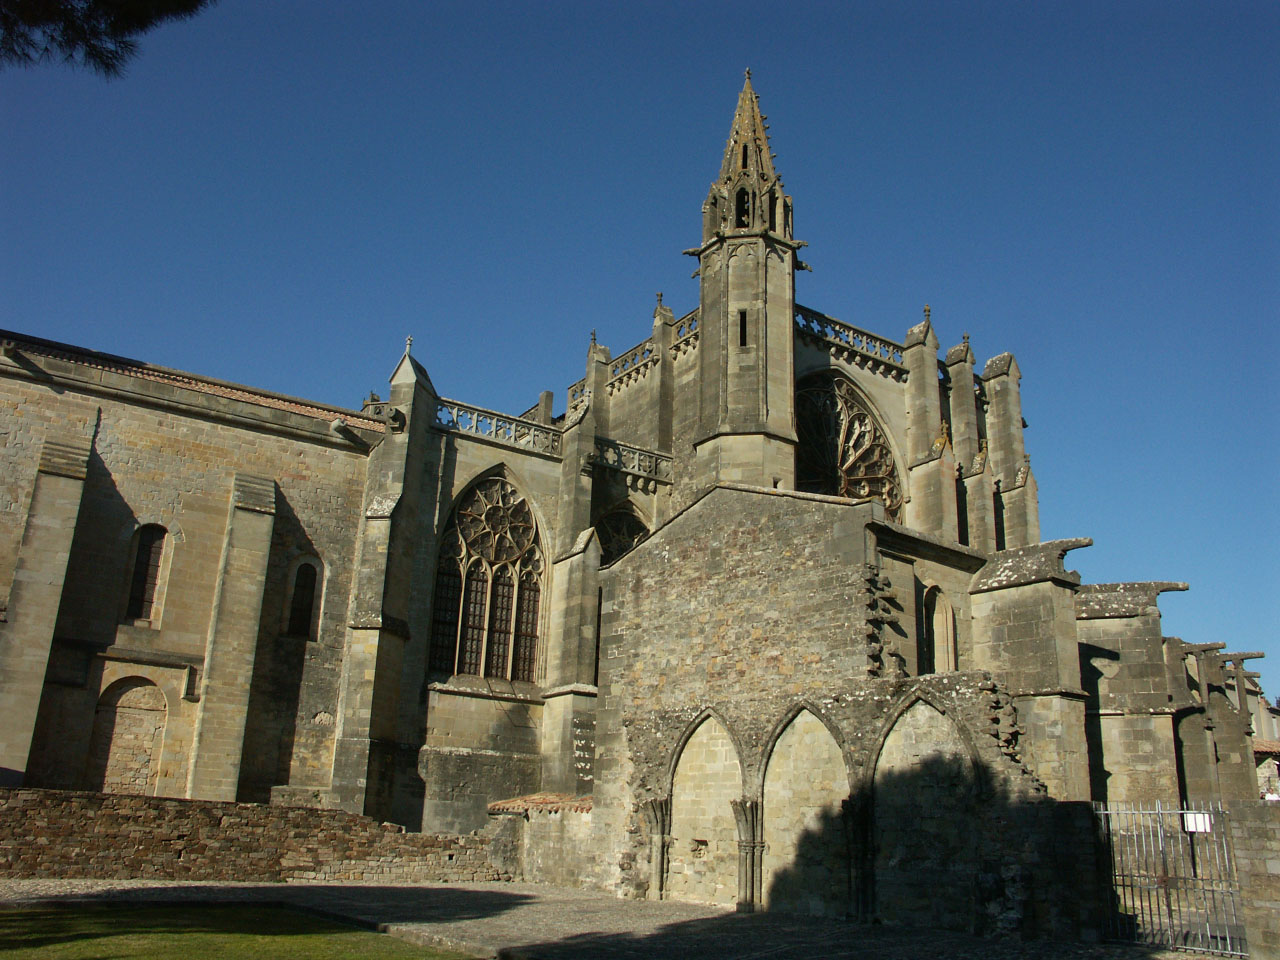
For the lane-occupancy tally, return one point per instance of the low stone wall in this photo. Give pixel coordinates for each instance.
(54, 833)
(1255, 837)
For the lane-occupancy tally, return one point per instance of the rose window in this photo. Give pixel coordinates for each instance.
(842, 451)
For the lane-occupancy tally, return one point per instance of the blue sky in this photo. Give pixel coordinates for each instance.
(278, 193)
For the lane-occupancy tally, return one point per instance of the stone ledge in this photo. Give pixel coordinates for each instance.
(1102, 601)
(1037, 563)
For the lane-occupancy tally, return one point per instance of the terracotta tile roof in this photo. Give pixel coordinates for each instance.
(1266, 746)
(189, 381)
(545, 802)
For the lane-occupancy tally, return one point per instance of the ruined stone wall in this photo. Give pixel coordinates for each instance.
(750, 613)
(47, 833)
(556, 846)
(165, 455)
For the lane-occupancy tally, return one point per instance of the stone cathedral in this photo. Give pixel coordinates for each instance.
(763, 618)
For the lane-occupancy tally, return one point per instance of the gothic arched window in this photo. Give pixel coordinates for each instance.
(484, 619)
(742, 209)
(842, 451)
(302, 607)
(618, 531)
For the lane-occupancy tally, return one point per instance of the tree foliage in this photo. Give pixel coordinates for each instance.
(98, 34)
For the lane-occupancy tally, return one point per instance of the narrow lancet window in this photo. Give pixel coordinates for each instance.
(302, 602)
(473, 625)
(742, 214)
(444, 615)
(526, 645)
(504, 591)
(145, 581)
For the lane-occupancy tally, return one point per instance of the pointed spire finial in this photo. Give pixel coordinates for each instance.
(966, 338)
(593, 336)
(408, 343)
(747, 150)
(927, 311)
(659, 298)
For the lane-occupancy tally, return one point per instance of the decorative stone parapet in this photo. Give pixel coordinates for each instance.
(645, 465)
(631, 366)
(686, 335)
(848, 343)
(497, 427)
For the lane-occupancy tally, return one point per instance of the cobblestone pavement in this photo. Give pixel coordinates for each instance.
(522, 921)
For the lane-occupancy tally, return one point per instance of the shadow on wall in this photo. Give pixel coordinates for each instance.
(275, 690)
(938, 844)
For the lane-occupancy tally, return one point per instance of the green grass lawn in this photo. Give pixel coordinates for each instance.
(225, 932)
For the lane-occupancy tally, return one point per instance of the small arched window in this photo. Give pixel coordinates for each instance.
(144, 582)
(742, 209)
(936, 651)
(485, 612)
(303, 593)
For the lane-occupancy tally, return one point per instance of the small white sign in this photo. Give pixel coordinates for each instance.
(1197, 822)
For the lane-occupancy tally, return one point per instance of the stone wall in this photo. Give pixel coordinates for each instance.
(1255, 837)
(47, 833)
(176, 451)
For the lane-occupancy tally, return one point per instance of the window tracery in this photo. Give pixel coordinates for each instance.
(842, 451)
(619, 531)
(488, 586)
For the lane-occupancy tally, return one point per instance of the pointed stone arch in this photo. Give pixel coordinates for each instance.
(926, 782)
(706, 778)
(805, 865)
(127, 738)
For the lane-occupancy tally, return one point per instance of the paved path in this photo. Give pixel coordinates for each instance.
(522, 921)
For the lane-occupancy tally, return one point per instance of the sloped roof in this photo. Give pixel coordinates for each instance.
(545, 802)
(189, 381)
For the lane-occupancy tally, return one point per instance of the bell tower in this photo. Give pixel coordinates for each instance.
(746, 357)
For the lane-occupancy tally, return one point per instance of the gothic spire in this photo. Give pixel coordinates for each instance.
(748, 146)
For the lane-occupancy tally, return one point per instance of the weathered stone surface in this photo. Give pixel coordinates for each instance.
(768, 600)
(45, 833)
